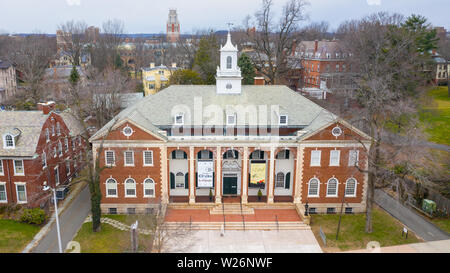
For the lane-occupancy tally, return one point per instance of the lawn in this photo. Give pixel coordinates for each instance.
(14, 236)
(109, 239)
(442, 223)
(386, 230)
(435, 114)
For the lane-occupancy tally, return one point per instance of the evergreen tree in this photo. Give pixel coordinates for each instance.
(206, 59)
(74, 76)
(247, 69)
(425, 35)
(186, 76)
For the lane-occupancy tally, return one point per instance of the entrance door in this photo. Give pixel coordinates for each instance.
(230, 185)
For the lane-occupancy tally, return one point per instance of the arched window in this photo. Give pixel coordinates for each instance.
(231, 154)
(149, 188)
(44, 159)
(58, 128)
(130, 188)
(229, 59)
(279, 181)
(111, 187)
(179, 180)
(8, 141)
(332, 187)
(350, 187)
(313, 187)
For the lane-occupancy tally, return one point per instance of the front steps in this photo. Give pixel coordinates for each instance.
(237, 225)
(231, 208)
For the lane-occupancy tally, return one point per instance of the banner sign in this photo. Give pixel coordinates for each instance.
(205, 170)
(258, 173)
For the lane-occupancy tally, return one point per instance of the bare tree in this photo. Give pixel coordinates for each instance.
(73, 34)
(272, 41)
(315, 31)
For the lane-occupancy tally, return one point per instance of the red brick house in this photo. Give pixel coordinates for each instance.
(199, 146)
(36, 147)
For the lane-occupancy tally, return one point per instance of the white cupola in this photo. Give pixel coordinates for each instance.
(228, 77)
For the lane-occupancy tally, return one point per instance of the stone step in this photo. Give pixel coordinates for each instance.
(231, 209)
(240, 226)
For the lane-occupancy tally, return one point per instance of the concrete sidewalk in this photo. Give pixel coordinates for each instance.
(442, 246)
(416, 223)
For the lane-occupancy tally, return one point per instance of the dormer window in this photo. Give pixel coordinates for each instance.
(179, 119)
(8, 142)
(283, 120)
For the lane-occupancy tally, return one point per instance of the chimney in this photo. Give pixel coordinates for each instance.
(46, 107)
(316, 45)
(152, 65)
(258, 81)
(174, 65)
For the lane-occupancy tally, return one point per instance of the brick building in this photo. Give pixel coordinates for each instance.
(200, 146)
(36, 147)
(173, 27)
(8, 81)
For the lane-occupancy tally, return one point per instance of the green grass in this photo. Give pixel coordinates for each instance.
(386, 230)
(435, 114)
(14, 236)
(109, 239)
(442, 223)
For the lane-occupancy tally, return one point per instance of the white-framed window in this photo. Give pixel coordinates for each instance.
(44, 160)
(111, 187)
(353, 157)
(53, 129)
(60, 150)
(279, 180)
(350, 187)
(18, 167)
(3, 195)
(73, 143)
(179, 119)
(332, 187)
(149, 188)
(231, 120)
(110, 158)
(313, 187)
(229, 60)
(75, 159)
(283, 154)
(67, 167)
(283, 120)
(54, 152)
(127, 131)
(148, 158)
(130, 187)
(47, 135)
(179, 154)
(334, 157)
(21, 191)
(79, 140)
(129, 158)
(1, 168)
(58, 128)
(179, 180)
(56, 173)
(66, 145)
(315, 157)
(8, 141)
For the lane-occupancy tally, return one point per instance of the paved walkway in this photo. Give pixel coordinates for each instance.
(416, 223)
(427, 247)
(70, 221)
(203, 215)
(117, 224)
(250, 241)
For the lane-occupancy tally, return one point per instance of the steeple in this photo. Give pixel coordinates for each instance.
(228, 77)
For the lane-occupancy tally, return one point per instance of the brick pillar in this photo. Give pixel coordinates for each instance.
(191, 175)
(271, 176)
(245, 177)
(298, 176)
(218, 175)
(164, 180)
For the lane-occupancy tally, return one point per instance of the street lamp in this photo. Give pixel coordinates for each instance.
(46, 188)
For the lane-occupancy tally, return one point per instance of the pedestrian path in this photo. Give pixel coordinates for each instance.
(117, 224)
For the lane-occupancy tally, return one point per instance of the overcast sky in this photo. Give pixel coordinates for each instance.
(149, 16)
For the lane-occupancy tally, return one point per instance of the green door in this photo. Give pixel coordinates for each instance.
(230, 185)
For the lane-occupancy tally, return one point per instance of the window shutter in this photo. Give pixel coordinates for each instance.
(214, 181)
(196, 180)
(173, 154)
(288, 181)
(172, 180)
(235, 154)
(261, 155)
(186, 181)
(287, 154)
(185, 155)
(210, 155)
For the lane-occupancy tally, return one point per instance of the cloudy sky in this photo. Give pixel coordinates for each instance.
(149, 16)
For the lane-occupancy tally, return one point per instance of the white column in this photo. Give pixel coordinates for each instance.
(218, 175)
(164, 180)
(191, 175)
(271, 176)
(245, 177)
(299, 176)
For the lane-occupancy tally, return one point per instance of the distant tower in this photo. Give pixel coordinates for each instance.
(173, 26)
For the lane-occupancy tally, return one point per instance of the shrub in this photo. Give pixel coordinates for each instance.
(34, 216)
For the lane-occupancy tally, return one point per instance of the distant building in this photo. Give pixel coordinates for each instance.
(92, 34)
(57, 79)
(154, 78)
(441, 70)
(8, 82)
(173, 27)
(63, 40)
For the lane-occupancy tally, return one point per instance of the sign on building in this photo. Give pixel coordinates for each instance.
(205, 171)
(258, 173)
